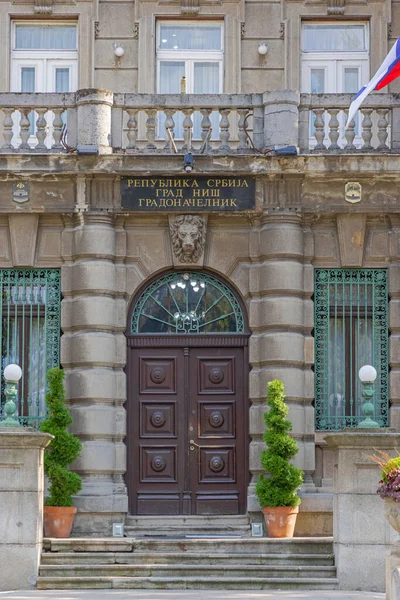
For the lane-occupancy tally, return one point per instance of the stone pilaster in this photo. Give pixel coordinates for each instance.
(93, 354)
(277, 345)
(362, 536)
(21, 502)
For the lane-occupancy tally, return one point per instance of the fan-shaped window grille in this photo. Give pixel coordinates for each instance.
(186, 303)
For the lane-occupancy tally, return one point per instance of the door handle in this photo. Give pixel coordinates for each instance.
(193, 443)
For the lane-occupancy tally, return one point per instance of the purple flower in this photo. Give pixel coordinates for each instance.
(389, 487)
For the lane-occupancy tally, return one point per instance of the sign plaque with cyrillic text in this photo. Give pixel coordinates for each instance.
(187, 193)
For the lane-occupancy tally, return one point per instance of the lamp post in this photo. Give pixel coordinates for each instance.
(367, 375)
(12, 374)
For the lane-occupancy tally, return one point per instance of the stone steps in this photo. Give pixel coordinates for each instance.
(181, 563)
(109, 558)
(160, 526)
(161, 520)
(168, 583)
(181, 570)
(291, 546)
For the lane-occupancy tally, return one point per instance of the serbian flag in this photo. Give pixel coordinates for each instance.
(387, 72)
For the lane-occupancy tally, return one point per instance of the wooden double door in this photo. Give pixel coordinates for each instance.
(187, 430)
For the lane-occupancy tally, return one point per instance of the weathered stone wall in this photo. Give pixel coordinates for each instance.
(277, 344)
(93, 353)
(246, 25)
(269, 255)
(21, 501)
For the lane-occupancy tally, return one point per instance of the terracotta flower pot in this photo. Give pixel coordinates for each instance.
(58, 521)
(280, 520)
(392, 513)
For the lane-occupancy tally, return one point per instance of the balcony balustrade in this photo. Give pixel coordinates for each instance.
(210, 123)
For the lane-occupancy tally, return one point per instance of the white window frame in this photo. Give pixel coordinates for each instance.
(334, 64)
(364, 24)
(47, 58)
(45, 63)
(189, 57)
(358, 58)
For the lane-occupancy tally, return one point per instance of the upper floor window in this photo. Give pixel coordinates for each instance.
(335, 57)
(44, 37)
(44, 57)
(193, 51)
(334, 37)
(334, 60)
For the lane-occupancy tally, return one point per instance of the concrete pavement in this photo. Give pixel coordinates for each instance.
(187, 595)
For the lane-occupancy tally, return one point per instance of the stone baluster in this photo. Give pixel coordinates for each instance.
(205, 127)
(21, 494)
(319, 125)
(7, 129)
(242, 135)
(366, 128)
(151, 129)
(382, 128)
(187, 128)
(224, 130)
(350, 134)
(25, 125)
(57, 128)
(41, 125)
(132, 130)
(333, 128)
(169, 125)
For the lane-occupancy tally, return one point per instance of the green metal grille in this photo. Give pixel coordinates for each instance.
(191, 302)
(351, 330)
(30, 334)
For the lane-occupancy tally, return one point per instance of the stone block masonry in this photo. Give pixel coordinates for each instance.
(21, 502)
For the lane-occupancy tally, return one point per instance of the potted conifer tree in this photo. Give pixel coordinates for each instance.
(277, 492)
(59, 512)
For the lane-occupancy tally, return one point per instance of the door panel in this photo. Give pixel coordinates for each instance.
(217, 416)
(156, 429)
(187, 431)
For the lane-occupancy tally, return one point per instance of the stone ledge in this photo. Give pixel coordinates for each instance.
(316, 503)
(23, 437)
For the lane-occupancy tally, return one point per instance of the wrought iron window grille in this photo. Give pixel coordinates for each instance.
(351, 330)
(30, 334)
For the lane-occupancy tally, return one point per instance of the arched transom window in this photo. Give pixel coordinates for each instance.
(185, 303)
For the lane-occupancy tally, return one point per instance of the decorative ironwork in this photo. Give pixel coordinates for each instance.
(191, 302)
(30, 334)
(351, 330)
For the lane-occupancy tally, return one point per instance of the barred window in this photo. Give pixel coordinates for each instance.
(351, 330)
(30, 334)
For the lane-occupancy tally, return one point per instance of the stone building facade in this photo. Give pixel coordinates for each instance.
(326, 215)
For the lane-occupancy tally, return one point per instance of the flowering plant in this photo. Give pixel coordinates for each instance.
(389, 485)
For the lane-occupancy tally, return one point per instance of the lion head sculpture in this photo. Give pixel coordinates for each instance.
(188, 236)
